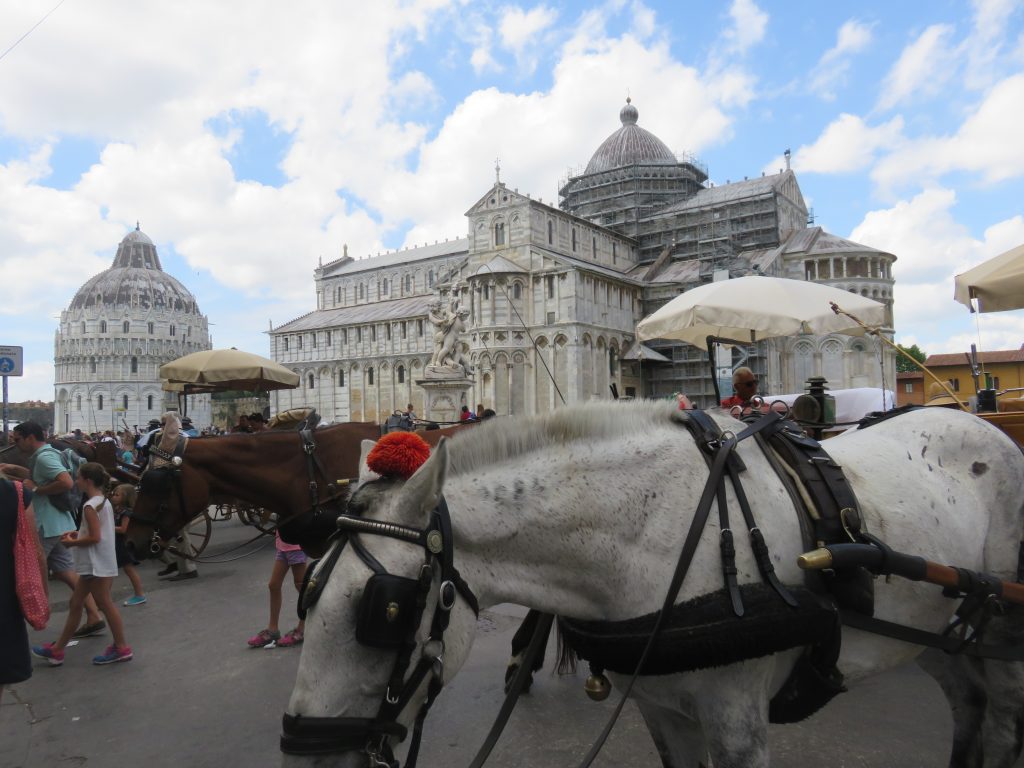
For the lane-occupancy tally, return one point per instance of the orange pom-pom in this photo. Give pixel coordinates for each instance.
(398, 454)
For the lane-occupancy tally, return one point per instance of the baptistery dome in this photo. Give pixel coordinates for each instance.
(119, 328)
(630, 145)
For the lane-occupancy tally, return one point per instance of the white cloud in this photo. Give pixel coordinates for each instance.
(644, 20)
(987, 143)
(749, 23)
(520, 29)
(983, 47)
(831, 72)
(931, 246)
(923, 67)
(847, 144)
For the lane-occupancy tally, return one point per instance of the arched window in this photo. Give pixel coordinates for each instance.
(551, 232)
(362, 291)
(615, 252)
(78, 403)
(408, 283)
(401, 374)
(310, 379)
(149, 327)
(593, 247)
(499, 233)
(517, 291)
(135, 365)
(574, 238)
(92, 365)
(83, 326)
(369, 376)
(173, 331)
(103, 326)
(327, 338)
(430, 279)
(341, 378)
(149, 402)
(126, 326)
(99, 402)
(124, 402)
(384, 291)
(285, 343)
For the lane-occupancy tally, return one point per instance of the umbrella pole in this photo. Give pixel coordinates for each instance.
(714, 369)
(874, 331)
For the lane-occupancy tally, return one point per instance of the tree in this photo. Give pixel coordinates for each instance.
(905, 366)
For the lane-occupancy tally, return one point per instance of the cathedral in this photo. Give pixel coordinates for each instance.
(554, 293)
(120, 327)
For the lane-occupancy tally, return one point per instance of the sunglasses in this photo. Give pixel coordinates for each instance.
(746, 383)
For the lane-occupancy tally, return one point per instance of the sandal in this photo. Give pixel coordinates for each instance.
(291, 639)
(264, 638)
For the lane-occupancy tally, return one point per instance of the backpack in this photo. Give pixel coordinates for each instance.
(71, 500)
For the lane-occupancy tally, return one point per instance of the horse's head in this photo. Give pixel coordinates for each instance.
(169, 496)
(389, 620)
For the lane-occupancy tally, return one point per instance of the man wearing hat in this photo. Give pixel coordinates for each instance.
(937, 396)
(187, 429)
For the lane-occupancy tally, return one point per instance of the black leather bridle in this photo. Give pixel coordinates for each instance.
(386, 598)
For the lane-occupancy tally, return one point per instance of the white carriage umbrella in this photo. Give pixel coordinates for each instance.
(749, 309)
(223, 369)
(997, 284)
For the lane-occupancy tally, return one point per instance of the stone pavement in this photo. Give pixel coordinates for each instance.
(196, 696)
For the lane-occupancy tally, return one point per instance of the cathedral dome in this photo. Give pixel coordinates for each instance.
(630, 145)
(135, 280)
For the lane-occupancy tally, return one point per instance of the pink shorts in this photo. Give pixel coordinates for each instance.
(292, 557)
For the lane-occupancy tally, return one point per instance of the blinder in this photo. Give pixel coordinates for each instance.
(387, 610)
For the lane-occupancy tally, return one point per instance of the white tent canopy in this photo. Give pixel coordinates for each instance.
(997, 284)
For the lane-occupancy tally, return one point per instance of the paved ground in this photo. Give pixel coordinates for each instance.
(195, 695)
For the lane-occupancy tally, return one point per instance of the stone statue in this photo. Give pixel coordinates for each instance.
(449, 326)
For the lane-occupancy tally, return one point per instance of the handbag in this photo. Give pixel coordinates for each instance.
(28, 581)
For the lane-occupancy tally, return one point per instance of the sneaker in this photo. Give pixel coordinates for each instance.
(264, 638)
(290, 639)
(54, 658)
(135, 600)
(113, 654)
(88, 630)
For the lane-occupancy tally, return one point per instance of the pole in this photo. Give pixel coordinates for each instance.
(7, 412)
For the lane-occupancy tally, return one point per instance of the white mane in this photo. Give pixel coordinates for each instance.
(501, 439)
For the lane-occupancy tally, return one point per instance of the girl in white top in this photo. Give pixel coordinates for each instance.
(96, 564)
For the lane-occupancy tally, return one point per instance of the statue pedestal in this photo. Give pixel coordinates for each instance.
(445, 397)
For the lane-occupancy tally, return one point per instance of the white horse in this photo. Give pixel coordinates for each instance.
(582, 513)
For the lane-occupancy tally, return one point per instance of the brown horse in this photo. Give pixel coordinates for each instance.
(268, 469)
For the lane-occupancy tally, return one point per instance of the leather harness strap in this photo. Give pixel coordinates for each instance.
(724, 450)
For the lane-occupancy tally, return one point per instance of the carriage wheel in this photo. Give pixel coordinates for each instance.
(199, 531)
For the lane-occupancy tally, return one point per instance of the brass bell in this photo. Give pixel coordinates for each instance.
(391, 612)
(597, 687)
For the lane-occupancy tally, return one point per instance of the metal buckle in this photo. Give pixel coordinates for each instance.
(391, 699)
(446, 596)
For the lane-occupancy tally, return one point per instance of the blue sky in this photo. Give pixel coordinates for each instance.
(255, 143)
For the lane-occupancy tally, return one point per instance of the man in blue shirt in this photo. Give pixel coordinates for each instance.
(48, 477)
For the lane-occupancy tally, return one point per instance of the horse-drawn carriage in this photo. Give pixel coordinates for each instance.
(590, 512)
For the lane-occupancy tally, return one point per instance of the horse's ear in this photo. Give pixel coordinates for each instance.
(365, 475)
(427, 483)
